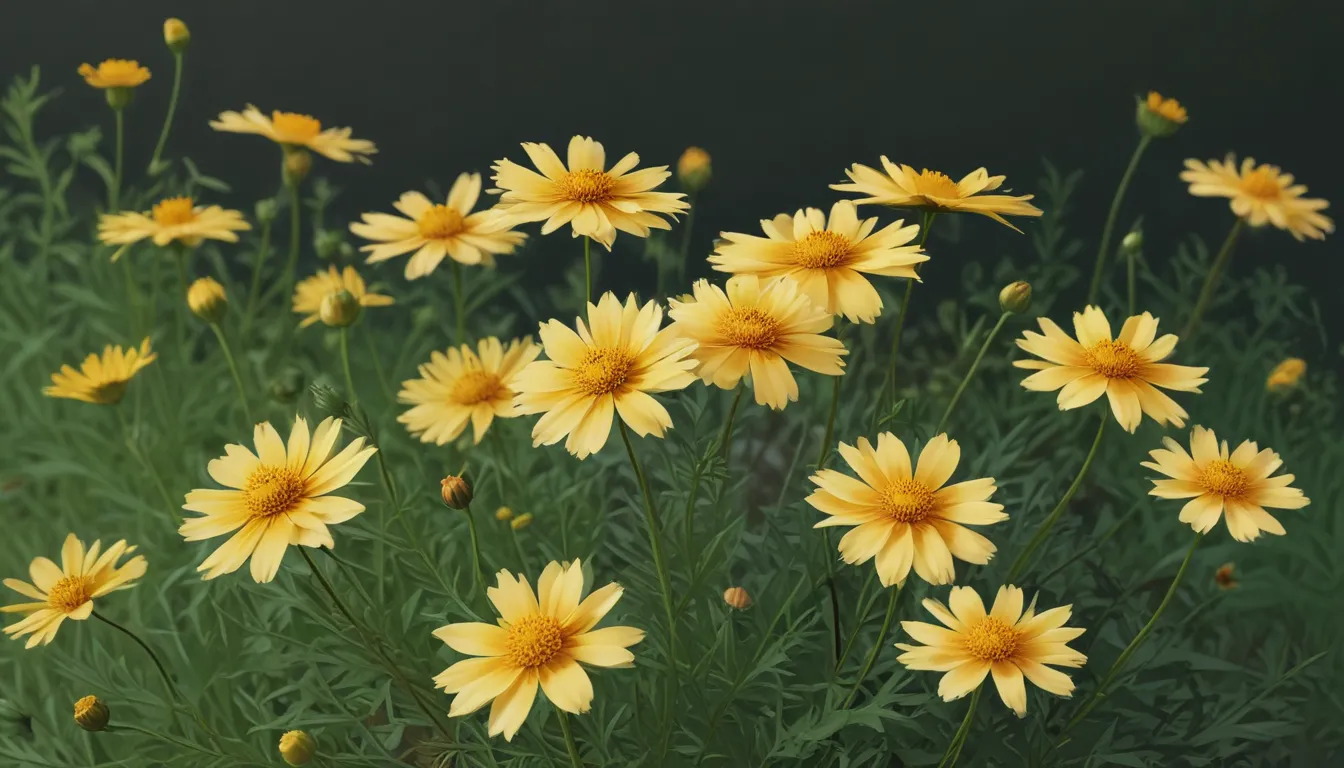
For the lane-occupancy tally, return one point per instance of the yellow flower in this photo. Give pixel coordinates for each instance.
(101, 380)
(1286, 374)
(465, 386)
(114, 73)
(1007, 643)
(1236, 484)
(206, 299)
(542, 638)
(434, 231)
(176, 35)
(1260, 194)
(827, 259)
(297, 748)
(902, 187)
(737, 598)
(593, 201)
(310, 292)
(1125, 368)
(92, 714)
(172, 220)
(290, 130)
(694, 168)
(278, 496)
(907, 518)
(68, 591)
(754, 330)
(609, 367)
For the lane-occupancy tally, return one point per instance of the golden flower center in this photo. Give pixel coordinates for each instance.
(272, 490)
(1224, 478)
(603, 370)
(907, 501)
(821, 250)
(439, 222)
(69, 593)
(587, 185)
(936, 184)
(534, 640)
(293, 128)
(992, 639)
(1262, 183)
(173, 211)
(1113, 360)
(475, 387)
(749, 327)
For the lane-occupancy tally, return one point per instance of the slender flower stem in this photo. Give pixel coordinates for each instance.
(459, 305)
(686, 230)
(134, 448)
(168, 684)
(1212, 279)
(829, 435)
(114, 194)
(292, 263)
(970, 374)
(1130, 258)
(257, 267)
(233, 368)
(877, 646)
(183, 282)
(1099, 268)
(588, 269)
(478, 573)
(655, 543)
(172, 110)
(132, 295)
(168, 738)
(890, 380)
(959, 739)
(1025, 556)
(726, 439)
(865, 607)
(573, 748)
(345, 365)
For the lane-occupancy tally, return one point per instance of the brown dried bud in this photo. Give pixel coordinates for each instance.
(456, 492)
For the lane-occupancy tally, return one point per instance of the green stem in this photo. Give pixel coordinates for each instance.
(890, 379)
(134, 448)
(518, 550)
(573, 748)
(172, 110)
(233, 369)
(1129, 279)
(1021, 562)
(254, 295)
(959, 739)
(155, 277)
(830, 422)
(588, 269)
(183, 282)
(168, 684)
(477, 571)
(132, 296)
(877, 647)
(1099, 268)
(114, 194)
(168, 738)
(726, 439)
(655, 543)
(1212, 279)
(292, 263)
(459, 306)
(345, 365)
(686, 230)
(970, 374)
(865, 607)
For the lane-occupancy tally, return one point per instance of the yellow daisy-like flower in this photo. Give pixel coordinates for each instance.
(101, 380)
(114, 73)
(610, 366)
(757, 330)
(290, 129)
(172, 220)
(1127, 368)
(1286, 374)
(1007, 643)
(902, 187)
(278, 496)
(827, 258)
(1260, 194)
(543, 638)
(465, 386)
(594, 200)
(68, 591)
(907, 518)
(309, 292)
(1237, 484)
(434, 231)
(1166, 108)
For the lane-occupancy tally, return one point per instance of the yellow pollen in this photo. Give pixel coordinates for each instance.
(439, 222)
(1262, 183)
(603, 370)
(821, 250)
(907, 501)
(475, 387)
(1224, 478)
(174, 210)
(1113, 360)
(69, 593)
(935, 184)
(272, 490)
(293, 128)
(992, 639)
(534, 640)
(587, 185)
(748, 327)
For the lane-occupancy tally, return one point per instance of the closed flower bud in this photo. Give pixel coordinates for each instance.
(207, 300)
(297, 164)
(14, 721)
(339, 309)
(1158, 117)
(456, 491)
(737, 597)
(520, 522)
(176, 35)
(1133, 241)
(91, 713)
(694, 169)
(1224, 578)
(297, 747)
(1286, 375)
(266, 210)
(504, 514)
(329, 402)
(1015, 297)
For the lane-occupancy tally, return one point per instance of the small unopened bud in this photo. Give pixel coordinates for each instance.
(737, 597)
(520, 522)
(504, 514)
(329, 402)
(1158, 117)
(1224, 576)
(339, 309)
(206, 299)
(297, 747)
(694, 169)
(1286, 375)
(286, 385)
(119, 98)
(176, 35)
(1015, 297)
(1133, 241)
(91, 713)
(14, 721)
(456, 491)
(298, 162)
(330, 243)
(266, 210)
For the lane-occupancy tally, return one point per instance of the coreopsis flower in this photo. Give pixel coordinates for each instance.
(543, 638)
(609, 367)
(101, 379)
(1158, 116)
(310, 292)
(1007, 643)
(1286, 374)
(907, 517)
(433, 230)
(456, 492)
(292, 130)
(172, 220)
(694, 169)
(67, 591)
(278, 496)
(297, 748)
(757, 330)
(594, 200)
(1260, 194)
(207, 300)
(1126, 368)
(827, 258)
(114, 73)
(176, 35)
(902, 187)
(465, 386)
(92, 714)
(1236, 485)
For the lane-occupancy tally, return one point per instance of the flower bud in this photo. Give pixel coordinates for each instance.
(298, 162)
(207, 300)
(266, 210)
(339, 309)
(1015, 297)
(694, 169)
(286, 385)
(1133, 241)
(91, 713)
(520, 522)
(329, 402)
(14, 721)
(1158, 117)
(297, 747)
(1224, 577)
(456, 491)
(503, 514)
(737, 597)
(1286, 375)
(330, 243)
(119, 98)
(176, 35)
